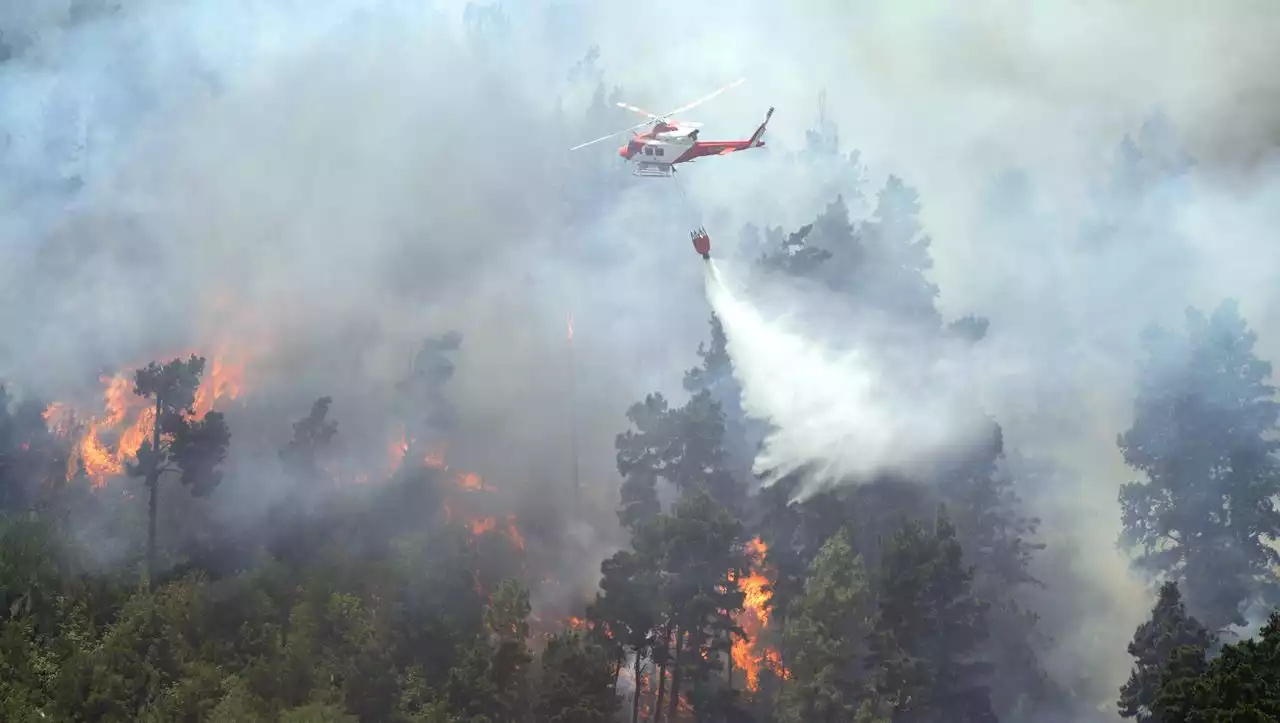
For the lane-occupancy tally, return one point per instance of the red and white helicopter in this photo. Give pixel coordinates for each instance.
(656, 151)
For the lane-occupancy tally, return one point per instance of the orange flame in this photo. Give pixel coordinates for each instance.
(131, 420)
(470, 481)
(513, 533)
(399, 448)
(748, 653)
(58, 418)
(483, 525)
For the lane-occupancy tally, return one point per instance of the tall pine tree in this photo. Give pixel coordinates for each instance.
(928, 630)
(1158, 643)
(825, 635)
(1204, 435)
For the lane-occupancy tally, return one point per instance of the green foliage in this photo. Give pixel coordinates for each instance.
(312, 436)
(928, 628)
(30, 456)
(369, 604)
(575, 682)
(642, 458)
(1204, 436)
(1164, 649)
(824, 635)
(1241, 684)
(195, 448)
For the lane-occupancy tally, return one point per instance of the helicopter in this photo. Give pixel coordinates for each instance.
(655, 152)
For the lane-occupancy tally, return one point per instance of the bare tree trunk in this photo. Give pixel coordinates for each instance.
(635, 697)
(153, 501)
(662, 678)
(674, 704)
(728, 668)
(656, 717)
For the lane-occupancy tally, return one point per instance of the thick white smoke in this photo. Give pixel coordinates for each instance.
(840, 410)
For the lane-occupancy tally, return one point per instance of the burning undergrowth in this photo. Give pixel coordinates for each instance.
(362, 476)
(409, 482)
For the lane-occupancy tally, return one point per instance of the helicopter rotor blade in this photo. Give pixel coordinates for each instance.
(641, 111)
(611, 135)
(704, 98)
(652, 118)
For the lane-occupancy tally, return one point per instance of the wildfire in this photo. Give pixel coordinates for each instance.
(399, 448)
(109, 439)
(749, 654)
(485, 525)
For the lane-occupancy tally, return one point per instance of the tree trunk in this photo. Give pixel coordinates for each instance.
(662, 677)
(635, 696)
(153, 490)
(674, 705)
(734, 577)
(662, 689)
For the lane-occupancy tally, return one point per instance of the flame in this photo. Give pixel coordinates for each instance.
(134, 436)
(399, 448)
(483, 525)
(748, 653)
(58, 417)
(99, 463)
(513, 533)
(222, 380)
(129, 420)
(116, 398)
(470, 481)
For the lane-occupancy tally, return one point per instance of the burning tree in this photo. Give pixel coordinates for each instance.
(179, 443)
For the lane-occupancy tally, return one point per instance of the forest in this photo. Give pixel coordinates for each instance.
(403, 586)
(407, 597)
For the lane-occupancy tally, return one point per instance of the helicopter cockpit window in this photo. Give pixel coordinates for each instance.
(658, 151)
(648, 150)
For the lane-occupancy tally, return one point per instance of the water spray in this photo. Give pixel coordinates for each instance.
(840, 410)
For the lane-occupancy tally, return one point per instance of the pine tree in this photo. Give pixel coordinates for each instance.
(1203, 435)
(894, 279)
(294, 531)
(699, 459)
(575, 682)
(1241, 684)
(742, 436)
(30, 456)
(825, 635)
(628, 606)
(998, 539)
(643, 455)
(302, 456)
(1153, 647)
(701, 559)
(928, 629)
(193, 448)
